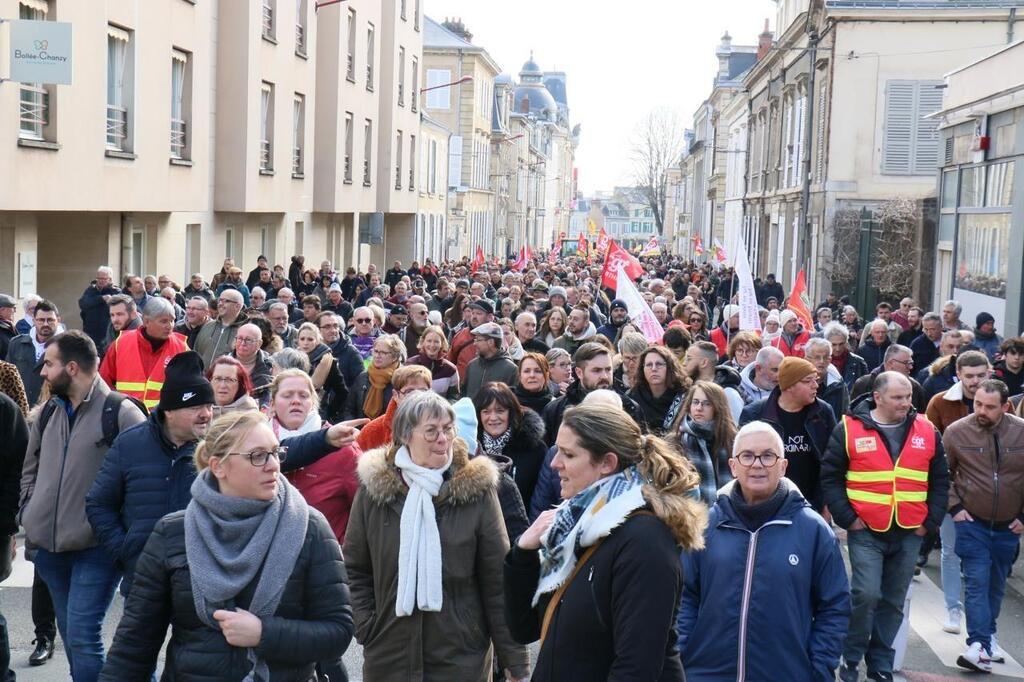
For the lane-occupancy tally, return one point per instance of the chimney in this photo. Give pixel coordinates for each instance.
(458, 28)
(723, 52)
(764, 42)
(524, 105)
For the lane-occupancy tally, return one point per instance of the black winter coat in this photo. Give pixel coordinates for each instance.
(616, 620)
(536, 401)
(854, 369)
(512, 508)
(357, 396)
(873, 354)
(574, 396)
(350, 363)
(312, 623)
(94, 311)
(526, 450)
(335, 389)
(14, 436)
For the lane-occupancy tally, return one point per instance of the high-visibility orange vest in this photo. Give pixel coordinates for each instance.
(879, 489)
(131, 375)
(797, 348)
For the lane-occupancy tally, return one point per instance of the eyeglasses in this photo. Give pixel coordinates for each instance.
(768, 458)
(906, 363)
(432, 433)
(258, 458)
(381, 353)
(695, 320)
(224, 380)
(363, 320)
(701, 403)
(246, 342)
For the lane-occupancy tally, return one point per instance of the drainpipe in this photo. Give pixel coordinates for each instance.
(805, 162)
(1010, 21)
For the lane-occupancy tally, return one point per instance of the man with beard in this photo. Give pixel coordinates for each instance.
(197, 313)
(700, 364)
(592, 370)
(26, 350)
(135, 287)
(462, 350)
(418, 322)
(93, 304)
(336, 303)
(526, 330)
(234, 281)
(80, 574)
(578, 330)
(349, 282)
(350, 363)
(618, 315)
(278, 316)
(123, 317)
(135, 363)
(730, 325)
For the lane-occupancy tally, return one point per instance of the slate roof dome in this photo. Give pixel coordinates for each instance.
(531, 96)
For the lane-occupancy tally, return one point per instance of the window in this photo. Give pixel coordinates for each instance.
(432, 181)
(349, 125)
(414, 95)
(118, 89)
(300, 27)
(398, 160)
(438, 97)
(455, 161)
(403, 5)
(181, 100)
(416, 15)
(367, 151)
(401, 76)
(298, 133)
(983, 248)
(412, 162)
(267, 128)
(350, 67)
(34, 106)
(911, 142)
(268, 20)
(229, 243)
(369, 57)
(999, 185)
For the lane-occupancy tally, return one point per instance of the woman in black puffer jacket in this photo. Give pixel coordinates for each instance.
(327, 377)
(284, 635)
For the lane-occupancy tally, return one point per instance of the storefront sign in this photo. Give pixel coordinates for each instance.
(26, 273)
(41, 52)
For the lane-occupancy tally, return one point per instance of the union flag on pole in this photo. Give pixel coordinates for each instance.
(520, 261)
(602, 241)
(798, 302)
(619, 257)
(719, 251)
(582, 246)
(698, 247)
(478, 259)
(653, 248)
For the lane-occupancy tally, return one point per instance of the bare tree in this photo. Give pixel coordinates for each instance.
(657, 146)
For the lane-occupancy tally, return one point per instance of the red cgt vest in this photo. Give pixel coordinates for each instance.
(131, 375)
(880, 490)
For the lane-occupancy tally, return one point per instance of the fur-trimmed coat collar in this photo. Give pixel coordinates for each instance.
(465, 481)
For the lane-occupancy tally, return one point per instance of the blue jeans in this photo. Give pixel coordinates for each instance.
(82, 585)
(881, 573)
(987, 557)
(950, 564)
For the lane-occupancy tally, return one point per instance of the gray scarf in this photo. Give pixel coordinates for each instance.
(495, 446)
(231, 541)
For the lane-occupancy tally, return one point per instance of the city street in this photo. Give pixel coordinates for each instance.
(930, 657)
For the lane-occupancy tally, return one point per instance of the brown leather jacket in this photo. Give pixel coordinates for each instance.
(986, 468)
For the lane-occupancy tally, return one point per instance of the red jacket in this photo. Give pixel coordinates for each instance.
(378, 431)
(462, 350)
(797, 349)
(132, 367)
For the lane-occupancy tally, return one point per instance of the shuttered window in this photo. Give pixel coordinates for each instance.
(911, 143)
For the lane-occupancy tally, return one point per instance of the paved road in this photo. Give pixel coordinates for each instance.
(930, 656)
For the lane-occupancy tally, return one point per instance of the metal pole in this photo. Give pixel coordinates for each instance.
(805, 162)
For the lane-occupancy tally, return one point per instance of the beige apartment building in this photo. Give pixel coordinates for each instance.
(459, 82)
(192, 131)
(432, 239)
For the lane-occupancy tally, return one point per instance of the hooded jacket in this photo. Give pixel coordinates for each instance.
(768, 604)
(572, 342)
(989, 343)
(332, 405)
(751, 392)
(837, 462)
(574, 396)
(94, 311)
(455, 642)
(833, 391)
(873, 354)
(481, 370)
(941, 376)
(729, 379)
(616, 619)
(216, 338)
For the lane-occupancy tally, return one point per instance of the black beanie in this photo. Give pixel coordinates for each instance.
(983, 318)
(184, 383)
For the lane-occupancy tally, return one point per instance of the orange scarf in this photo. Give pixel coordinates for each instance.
(380, 379)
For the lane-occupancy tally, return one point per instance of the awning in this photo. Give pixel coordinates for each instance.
(118, 33)
(37, 5)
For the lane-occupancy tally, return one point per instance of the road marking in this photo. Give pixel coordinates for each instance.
(927, 615)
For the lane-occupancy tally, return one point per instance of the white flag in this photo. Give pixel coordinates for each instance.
(640, 313)
(749, 319)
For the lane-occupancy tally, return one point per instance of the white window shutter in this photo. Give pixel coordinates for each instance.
(898, 138)
(455, 161)
(819, 162)
(927, 138)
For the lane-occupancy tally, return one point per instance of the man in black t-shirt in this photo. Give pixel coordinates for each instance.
(803, 421)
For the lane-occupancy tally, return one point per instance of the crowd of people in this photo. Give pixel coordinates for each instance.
(449, 462)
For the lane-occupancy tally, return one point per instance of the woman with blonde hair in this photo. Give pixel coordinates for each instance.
(433, 350)
(598, 578)
(553, 325)
(249, 577)
(706, 432)
(407, 380)
(370, 394)
(424, 549)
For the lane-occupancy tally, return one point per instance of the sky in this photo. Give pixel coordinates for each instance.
(622, 59)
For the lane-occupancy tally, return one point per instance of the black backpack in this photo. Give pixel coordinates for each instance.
(108, 420)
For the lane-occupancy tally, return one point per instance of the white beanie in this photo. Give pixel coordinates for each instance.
(730, 310)
(786, 316)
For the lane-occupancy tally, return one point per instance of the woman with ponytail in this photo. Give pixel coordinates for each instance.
(598, 578)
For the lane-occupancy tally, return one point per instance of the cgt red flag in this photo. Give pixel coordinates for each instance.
(618, 256)
(478, 260)
(797, 301)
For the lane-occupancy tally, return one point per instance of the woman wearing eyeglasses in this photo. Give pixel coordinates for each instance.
(598, 579)
(696, 324)
(560, 369)
(706, 431)
(326, 374)
(424, 550)
(659, 388)
(433, 349)
(406, 381)
(768, 597)
(231, 386)
(370, 394)
(249, 577)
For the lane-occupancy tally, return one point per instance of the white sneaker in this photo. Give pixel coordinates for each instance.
(998, 655)
(975, 659)
(952, 624)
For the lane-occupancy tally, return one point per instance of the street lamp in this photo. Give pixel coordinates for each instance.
(464, 79)
(325, 3)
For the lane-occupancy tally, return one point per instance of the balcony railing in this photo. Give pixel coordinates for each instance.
(297, 160)
(268, 21)
(300, 38)
(178, 131)
(34, 111)
(266, 155)
(117, 127)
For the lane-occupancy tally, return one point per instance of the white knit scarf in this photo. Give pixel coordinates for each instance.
(312, 423)
(419, 546)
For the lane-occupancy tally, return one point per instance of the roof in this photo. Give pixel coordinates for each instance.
(437, 36)
(740, 62)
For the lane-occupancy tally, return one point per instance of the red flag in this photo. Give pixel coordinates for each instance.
(520, 261)
(618, 256)
(798, 301)
(478, 260)
(602, 241)
(698, 246)
(582, 246)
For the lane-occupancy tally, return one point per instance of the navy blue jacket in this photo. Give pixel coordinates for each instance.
(793, 603)
(144, 477)
(94, 311)
(548, 490)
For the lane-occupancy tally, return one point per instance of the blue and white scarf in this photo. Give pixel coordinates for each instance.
(582, 520)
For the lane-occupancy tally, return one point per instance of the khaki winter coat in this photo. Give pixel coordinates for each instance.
(454, 643)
